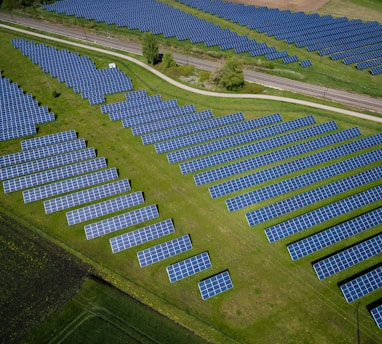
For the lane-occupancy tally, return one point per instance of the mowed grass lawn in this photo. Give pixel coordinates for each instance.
(273, 299)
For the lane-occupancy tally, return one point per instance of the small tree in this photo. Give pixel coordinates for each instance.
(168, 61)
(230, 77)
(150, 48)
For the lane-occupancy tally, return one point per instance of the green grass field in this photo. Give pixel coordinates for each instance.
(273, 299)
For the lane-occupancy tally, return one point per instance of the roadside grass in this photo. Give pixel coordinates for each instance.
(273, 298)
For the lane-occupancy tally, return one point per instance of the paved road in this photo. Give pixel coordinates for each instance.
(203, 64)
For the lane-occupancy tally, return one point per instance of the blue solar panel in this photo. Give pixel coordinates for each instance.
(86, 196)
(328, 190)
(192, 128)
(46, 140)
(49, 176)
(163, 251)
(69, 185)
(220, 132)
(362, 285)
(236, 140)
(332, 235)
(43, 152)
(377, 315)
(118, 222)
(141, 235)
(346, 258)
(253, 148)
(130, 104)
(320, 215)
(104, 208)
(188, 267)
(47, 163)
(215, 285)
(288, 167)
(300, 181)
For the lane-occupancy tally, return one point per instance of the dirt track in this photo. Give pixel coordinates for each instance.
(295, 5)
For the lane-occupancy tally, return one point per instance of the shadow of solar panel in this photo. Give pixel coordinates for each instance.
(86, 196)
(141, 235)
(328, 190)
(42, 152)
(377, 315)
(279, 170)
(48, 176)
(46, 140)
(254, 148)
(163, 251)
(47, 163)
(236, 140)
(69, 185)
(362, 285)
(346, 258)
(118, 222)
(322, 214)
(215, 285)
(110, 206)
(291, 184)
(188, 267)
(332, 235)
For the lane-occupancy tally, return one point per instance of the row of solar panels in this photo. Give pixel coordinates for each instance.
(45, 168)
(78, 72)
(161, 18)
(324, 34)
(19, 112)
(342, 151)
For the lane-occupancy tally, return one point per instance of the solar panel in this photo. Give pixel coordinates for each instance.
(320, 193)
(48, 139)
(69, 185)
(46, 163)
(42, 152)
(322, 214)
(346, 258)
(215, 285)
(332, 235)
(163, 251)
(362, 285)
(377, 315)
(141, 235)
(16, 132)
(104, 208)
(49, 176)
(299, 181)
(118, 222)
(188, 267)
(86, 196)
(249, 149)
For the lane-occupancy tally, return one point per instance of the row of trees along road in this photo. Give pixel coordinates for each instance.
(229, 77)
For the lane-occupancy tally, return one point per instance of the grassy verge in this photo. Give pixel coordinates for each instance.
(273, 299)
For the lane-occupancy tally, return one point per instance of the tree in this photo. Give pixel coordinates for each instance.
(150, 48)
(168, 61)
(230, 77)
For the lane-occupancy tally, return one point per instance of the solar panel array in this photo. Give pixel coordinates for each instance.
(51, 139)
(165, 250)
(346, 258)
(141, 235)
(332, 235)
(188, 267)
(19, 112)
(325, 34)
(362, 285)
(160, 18)
(215, 285)
(78, 72)
(377, 315)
